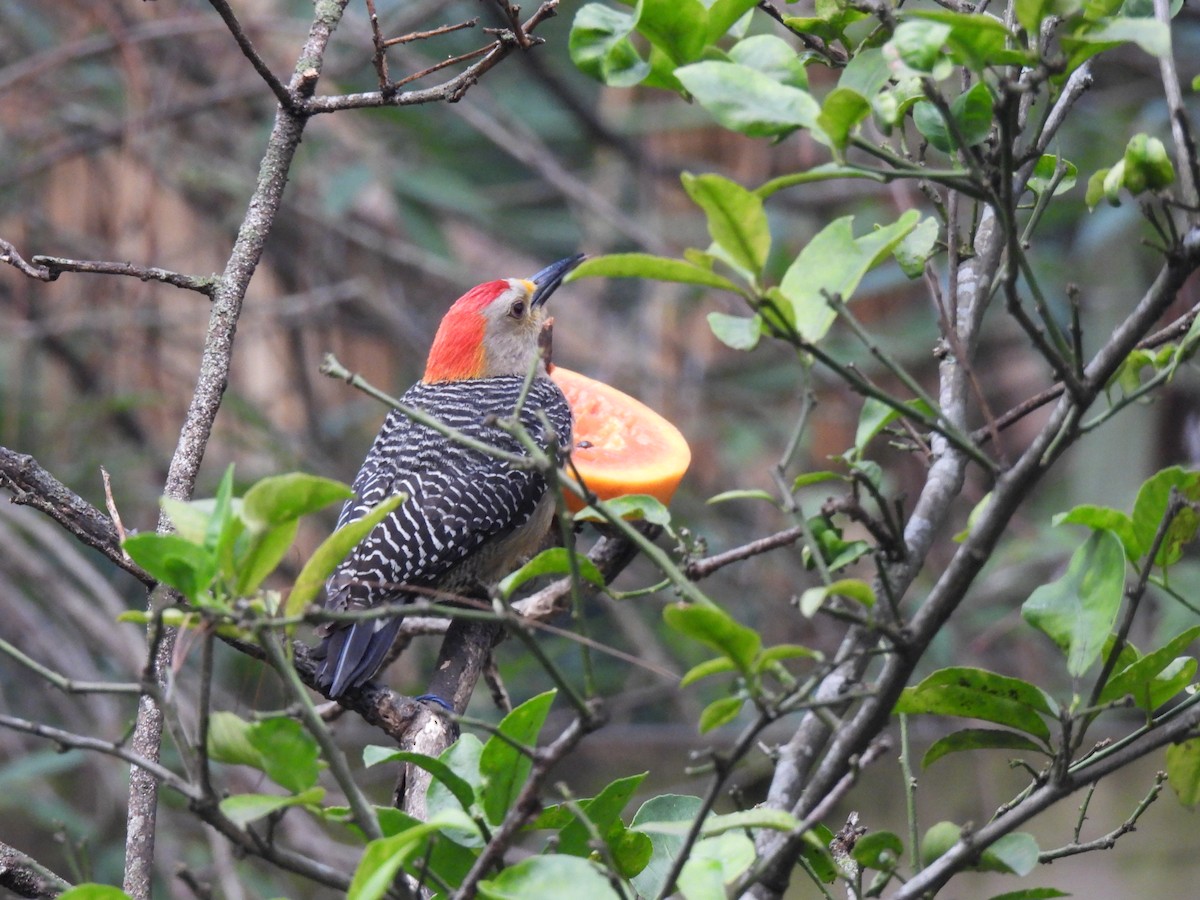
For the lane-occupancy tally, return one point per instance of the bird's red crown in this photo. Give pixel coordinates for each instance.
(457, 352)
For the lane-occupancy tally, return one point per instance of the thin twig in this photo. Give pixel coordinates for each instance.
(1109, 840)
(62, 682)
(56, 265)
(9, 255)
(285, 97)
(433, 32)
(702, 568)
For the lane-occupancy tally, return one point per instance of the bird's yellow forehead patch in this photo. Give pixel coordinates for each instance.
(529, 285)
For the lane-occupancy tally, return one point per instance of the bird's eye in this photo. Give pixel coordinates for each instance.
(517, 310)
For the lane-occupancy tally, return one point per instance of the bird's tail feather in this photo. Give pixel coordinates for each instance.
(350, 656)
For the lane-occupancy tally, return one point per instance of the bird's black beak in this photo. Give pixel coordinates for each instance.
(548, 280)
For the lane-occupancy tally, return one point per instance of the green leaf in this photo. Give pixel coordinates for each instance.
(736, 219)
(462, 790)
(599, 45)
(549, 878)
(383, 858)
(644, 265)
(759, 817)
(284, 498)
(445, 853)
(187, 567)
(631, 506)
(978, 739)
(1151, 35)
(716, 629)
(1031, 12)
(1044, 173)
(602, 811)
(810, 478)
(976, 40)
(851, 588)
(835, 261)
(831, 20)
(331, 552)
(679, 28)
(553, 561)
(823, 172)
(502, 766)
(1104, 184)
(713, 864)
(93, 892)
(664, 808)
(980, 694)
(290, 756)
(1155, 678)
(717, 666)
(1078, 610)
(220, 533)
(462, 759)
(1151, 505)
(971, 113)
(1016, 853)
(918, 43)
(917, 247)
(841, 113)
(876, 416)
(631, 850)
(879, 850)
(973, 517)
(815, 852)
(745, 100)
(1103, 518)
(723, 14)
(279, 747)
(242, 809)
(262, 555)
(742, 494)
(1183, 771)
(773, 56)
(189, 518)
(720, 712)
(781, 652)
(229, 740)
(736, 332)
(866, 73)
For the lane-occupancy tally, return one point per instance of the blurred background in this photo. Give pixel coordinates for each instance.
(132, 131)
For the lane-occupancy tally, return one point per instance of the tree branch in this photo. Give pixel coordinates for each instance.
(286, 98)
(227, 297)
(33, 486)
(56, 265)
(26, 877)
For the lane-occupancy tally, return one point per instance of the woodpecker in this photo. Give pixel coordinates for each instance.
(468, 517)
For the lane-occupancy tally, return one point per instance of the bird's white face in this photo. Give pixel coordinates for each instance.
(514, 323)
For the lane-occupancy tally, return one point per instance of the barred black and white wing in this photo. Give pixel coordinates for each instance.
(462, 504)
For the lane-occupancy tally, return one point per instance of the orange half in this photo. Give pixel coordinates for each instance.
(621, 446)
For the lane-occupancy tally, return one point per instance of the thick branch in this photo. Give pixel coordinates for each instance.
(33, 486)
(26, 877)
(227, 297)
